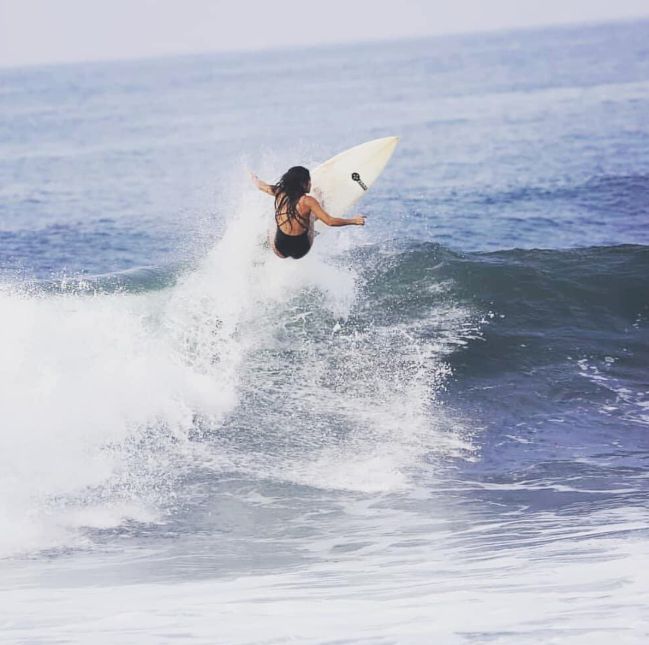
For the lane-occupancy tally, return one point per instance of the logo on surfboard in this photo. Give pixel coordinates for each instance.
(357, 178)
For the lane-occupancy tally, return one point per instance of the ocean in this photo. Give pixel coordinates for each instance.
(434, 428)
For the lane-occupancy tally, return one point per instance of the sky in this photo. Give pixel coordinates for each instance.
(53, 31)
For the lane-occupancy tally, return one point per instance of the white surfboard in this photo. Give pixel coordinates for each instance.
(341, 181)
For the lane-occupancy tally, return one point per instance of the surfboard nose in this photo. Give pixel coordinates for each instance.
(390, 143)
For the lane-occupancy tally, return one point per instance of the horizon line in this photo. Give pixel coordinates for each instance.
(325, 44)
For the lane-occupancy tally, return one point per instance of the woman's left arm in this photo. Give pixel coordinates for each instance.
(262, 185)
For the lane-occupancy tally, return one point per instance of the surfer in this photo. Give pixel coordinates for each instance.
(296, 211)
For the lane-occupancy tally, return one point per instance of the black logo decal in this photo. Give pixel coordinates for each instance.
(357, 178)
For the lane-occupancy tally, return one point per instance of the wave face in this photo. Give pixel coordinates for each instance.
(561, 359)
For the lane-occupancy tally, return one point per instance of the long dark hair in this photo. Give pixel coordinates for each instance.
(288, 190)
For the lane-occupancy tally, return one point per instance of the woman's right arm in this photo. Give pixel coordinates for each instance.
(329, 220)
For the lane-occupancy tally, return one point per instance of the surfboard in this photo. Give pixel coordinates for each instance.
(341, 181)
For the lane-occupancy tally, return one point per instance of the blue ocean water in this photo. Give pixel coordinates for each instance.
(431, 428)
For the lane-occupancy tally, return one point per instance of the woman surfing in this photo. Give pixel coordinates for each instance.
(296, 211)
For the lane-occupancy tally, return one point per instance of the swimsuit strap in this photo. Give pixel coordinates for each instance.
(303, 220)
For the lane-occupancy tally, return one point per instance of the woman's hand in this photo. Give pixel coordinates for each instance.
(359, 220)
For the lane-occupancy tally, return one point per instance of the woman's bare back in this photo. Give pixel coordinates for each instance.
(292, 225)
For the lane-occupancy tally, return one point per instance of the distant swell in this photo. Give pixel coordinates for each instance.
(620, 196)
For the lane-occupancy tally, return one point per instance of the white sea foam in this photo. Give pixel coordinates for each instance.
(82, 376)
(100, 392)
(630, 404)
(455, 586)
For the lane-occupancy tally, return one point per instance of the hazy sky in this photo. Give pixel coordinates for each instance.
(48, 31)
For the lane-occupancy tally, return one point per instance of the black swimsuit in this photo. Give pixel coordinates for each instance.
(293, 246)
